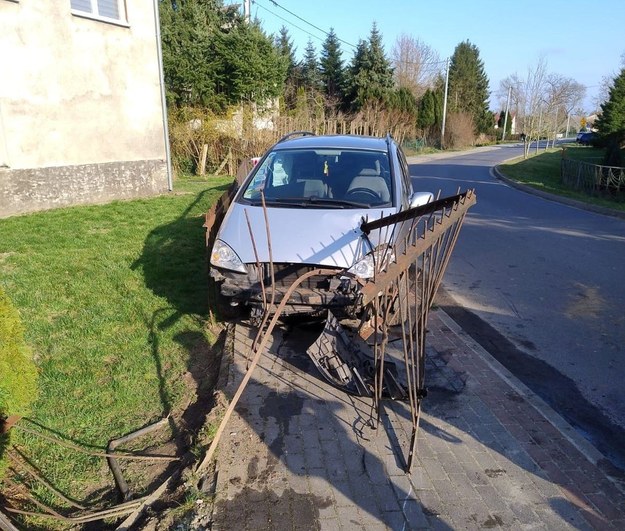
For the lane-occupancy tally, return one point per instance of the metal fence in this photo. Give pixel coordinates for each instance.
(592, 178)
(398, 299)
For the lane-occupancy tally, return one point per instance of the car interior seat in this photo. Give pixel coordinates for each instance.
(306, 179)
(370, 179)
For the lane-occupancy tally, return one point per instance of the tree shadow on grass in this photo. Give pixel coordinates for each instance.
(174, 263)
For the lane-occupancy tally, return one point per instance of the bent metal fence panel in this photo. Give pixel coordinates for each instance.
(397, 300)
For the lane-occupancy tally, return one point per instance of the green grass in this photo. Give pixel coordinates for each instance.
(542, 172)
(113, 299)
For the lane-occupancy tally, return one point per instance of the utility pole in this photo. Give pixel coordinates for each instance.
(568, 120)
(540, 124)
(445, 104)
(555, 130)
(246, 11)
(505, 118)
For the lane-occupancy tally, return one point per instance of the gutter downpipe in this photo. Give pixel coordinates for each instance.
(161, 75)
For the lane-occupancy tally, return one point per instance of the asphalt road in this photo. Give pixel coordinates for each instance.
(541, 286)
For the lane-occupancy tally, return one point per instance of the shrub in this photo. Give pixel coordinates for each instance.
(18, 374)
(460, 131)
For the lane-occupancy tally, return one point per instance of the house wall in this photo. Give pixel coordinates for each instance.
(80, 107)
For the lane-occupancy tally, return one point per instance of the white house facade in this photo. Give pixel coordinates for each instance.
(82, 112)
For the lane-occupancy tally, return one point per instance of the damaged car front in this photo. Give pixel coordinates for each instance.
(301, 209)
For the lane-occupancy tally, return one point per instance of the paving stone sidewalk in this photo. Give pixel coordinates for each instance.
(299, 454)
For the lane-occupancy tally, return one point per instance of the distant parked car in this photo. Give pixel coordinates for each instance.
(586, 139)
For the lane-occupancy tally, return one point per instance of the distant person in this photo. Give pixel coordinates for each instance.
(522, 137)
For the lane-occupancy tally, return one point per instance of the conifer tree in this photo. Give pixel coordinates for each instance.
(370, 76)
(309, 67)
(211, 57)
(468, 86)
(612, 119)
(286, 50)
(611, 123)
(331, 67)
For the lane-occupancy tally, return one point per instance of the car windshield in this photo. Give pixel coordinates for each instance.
(323, 178)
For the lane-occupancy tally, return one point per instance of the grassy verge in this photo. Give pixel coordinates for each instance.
(113, 299)
(542, 172)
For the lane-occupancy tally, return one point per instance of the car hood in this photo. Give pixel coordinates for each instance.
(328, 237)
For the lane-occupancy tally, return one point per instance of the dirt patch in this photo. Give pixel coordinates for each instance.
(586, 302)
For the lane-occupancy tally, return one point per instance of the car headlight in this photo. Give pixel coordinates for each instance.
(374, 261)
(223, 256)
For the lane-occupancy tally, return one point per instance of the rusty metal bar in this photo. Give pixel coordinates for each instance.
(72, 446)
(23, 464)
(410, 213)
(402, 292)
(385, 278)
(259, 350)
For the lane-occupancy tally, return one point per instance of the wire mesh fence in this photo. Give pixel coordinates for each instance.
(592, 178)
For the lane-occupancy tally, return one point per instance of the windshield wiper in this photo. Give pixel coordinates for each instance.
(337, 202)
(311, 201)
(308, 202)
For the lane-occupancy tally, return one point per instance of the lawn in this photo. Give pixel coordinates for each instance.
(113, 299)
(542, 172)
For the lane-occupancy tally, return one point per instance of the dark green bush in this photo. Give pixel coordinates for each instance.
(18, 374)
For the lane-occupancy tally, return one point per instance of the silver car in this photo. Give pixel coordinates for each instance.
(316, 191)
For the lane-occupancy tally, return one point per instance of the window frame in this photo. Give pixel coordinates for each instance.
(94, 13)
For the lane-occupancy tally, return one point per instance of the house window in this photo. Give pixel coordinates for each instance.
(107, 10)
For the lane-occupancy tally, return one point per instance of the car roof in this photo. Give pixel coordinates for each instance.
(334, 141)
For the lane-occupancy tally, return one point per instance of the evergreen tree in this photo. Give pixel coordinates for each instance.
(427, 116)
(211, 57)
(380, 69)
(309, 68)
(370, 73)
(285, 48)
(502, 120)
(356, 78)
(468, 86)
(186, 34)
(331, 67)
(611, 123)
(402, 99)
(244, 51)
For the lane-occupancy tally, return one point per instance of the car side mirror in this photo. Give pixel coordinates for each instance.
(420, 199)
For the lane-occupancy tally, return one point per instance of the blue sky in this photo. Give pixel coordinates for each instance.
(581, 39)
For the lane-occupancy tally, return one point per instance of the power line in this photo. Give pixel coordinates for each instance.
(431, 64)
(307, 22)
(288, 21)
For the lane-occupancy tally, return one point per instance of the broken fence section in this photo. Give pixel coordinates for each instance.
(394, 308)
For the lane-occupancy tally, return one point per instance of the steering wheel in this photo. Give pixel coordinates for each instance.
(365, 191)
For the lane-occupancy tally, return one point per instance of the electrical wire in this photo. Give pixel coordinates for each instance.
(432, 64)
(307, 22)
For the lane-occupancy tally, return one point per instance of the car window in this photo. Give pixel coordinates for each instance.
(405, 171)
(332, 175)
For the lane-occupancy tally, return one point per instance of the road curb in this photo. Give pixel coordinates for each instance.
(585, 447)
(497, 173)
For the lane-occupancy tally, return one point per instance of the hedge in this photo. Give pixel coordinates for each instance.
(18, 373)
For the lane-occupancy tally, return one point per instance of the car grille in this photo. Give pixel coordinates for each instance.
(286, 274)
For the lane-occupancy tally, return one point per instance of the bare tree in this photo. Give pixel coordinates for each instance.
(542, 101)
(416, 65)
(562, 96)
